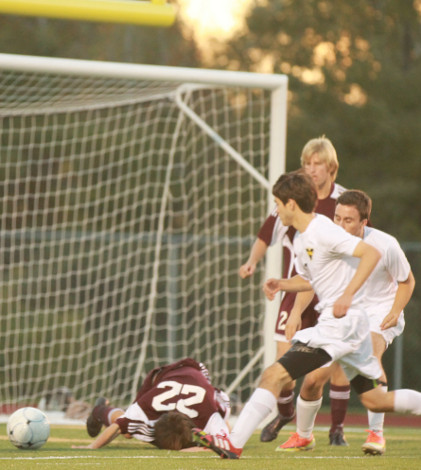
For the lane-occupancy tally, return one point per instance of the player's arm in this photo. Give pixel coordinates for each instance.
(294, 284)
(402, 297)
(293, 324)
(257, 252)
(369, 257)
(108, 435)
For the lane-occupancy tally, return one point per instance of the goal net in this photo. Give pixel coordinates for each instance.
(130, 196)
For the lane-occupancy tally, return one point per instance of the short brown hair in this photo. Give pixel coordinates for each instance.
(357, 198)
(296, 185)
(173, 431)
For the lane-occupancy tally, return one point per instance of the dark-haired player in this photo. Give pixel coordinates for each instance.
(324, 262)
(320, 162)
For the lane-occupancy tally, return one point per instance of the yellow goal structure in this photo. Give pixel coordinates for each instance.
(151, 13)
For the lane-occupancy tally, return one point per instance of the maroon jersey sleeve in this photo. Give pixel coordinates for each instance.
(265, 232)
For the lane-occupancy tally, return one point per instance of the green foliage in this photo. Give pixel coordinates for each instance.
(354, 71)
(96, 41)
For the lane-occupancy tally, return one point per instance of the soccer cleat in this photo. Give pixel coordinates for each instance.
(270, 431)
(337, 438)
(296, 442)
(93, 425)
(220, 444)
(375, 444)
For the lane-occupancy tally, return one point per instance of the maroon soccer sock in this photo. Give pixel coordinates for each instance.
(286, 403)
(339, 398)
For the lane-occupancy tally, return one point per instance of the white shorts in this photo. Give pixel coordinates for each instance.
(347, 340)
(390, 334)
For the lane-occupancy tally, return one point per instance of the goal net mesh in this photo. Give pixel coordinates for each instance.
(123, 225)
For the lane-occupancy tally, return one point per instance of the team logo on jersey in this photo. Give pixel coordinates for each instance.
(310, 252)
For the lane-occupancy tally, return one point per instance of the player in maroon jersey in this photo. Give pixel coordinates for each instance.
(319, 160)
(171, 401)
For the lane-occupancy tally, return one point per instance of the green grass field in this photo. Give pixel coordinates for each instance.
(403, 452)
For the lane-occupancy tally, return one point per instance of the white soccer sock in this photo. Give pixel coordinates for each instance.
(216, 425)
(376, 420)
(306, 416)
(407, 401)
(259, 406)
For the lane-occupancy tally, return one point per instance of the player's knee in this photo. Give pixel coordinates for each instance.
(372, 402)
(274, 377)
(312, 388)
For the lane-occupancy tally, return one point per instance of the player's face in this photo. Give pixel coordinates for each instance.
(283, 212)
(318, 171)
(348, 218)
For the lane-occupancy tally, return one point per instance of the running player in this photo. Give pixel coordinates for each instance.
(324, 255)
(172, 400)
(387, 291)
(319, 160)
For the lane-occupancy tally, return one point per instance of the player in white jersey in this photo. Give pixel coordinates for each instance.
(319, 160)
(325, 262)
(386, 293)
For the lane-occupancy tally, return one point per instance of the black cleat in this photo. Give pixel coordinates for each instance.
(270, 431)
(337, 438)
(93, 426)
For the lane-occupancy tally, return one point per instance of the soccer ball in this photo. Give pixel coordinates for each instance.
(28, 428)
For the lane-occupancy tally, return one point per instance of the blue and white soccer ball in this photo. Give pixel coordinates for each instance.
(28, 428)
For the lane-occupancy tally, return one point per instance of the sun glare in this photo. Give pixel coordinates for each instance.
(214, 18)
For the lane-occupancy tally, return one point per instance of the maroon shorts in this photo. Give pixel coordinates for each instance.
(308, 318)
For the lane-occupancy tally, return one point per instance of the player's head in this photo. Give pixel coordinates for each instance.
(296, 186)
(319, 155)
(173, 431)
(352, 212)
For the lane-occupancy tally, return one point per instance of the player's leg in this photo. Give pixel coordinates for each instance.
(258, 407)
(308, 405)
(285, 402)
(339, 393)
(375, 399)
(101, 415)
(298, 361)
(375, 443)
(286, 410)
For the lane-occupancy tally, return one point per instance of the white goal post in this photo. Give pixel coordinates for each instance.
(130, 196)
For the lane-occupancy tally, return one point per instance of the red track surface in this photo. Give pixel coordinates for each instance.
(360, 419)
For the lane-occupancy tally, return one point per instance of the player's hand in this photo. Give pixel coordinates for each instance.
(389, 321)
(271, 287)
(341, 306)
(81, 447)
(246, 270)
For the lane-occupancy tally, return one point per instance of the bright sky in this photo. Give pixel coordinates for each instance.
(214, 17)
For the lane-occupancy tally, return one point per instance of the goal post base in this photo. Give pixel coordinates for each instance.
(149, 13)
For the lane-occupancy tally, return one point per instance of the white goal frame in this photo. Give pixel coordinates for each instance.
(193, 78)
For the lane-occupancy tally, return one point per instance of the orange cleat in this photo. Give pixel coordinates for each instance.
(375, 444)
(296, 442)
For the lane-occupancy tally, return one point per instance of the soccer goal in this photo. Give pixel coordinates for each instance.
(130, 196)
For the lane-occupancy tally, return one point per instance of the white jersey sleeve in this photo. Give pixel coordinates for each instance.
(393, 267)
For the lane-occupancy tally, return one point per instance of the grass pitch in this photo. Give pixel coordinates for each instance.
(403, 452)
